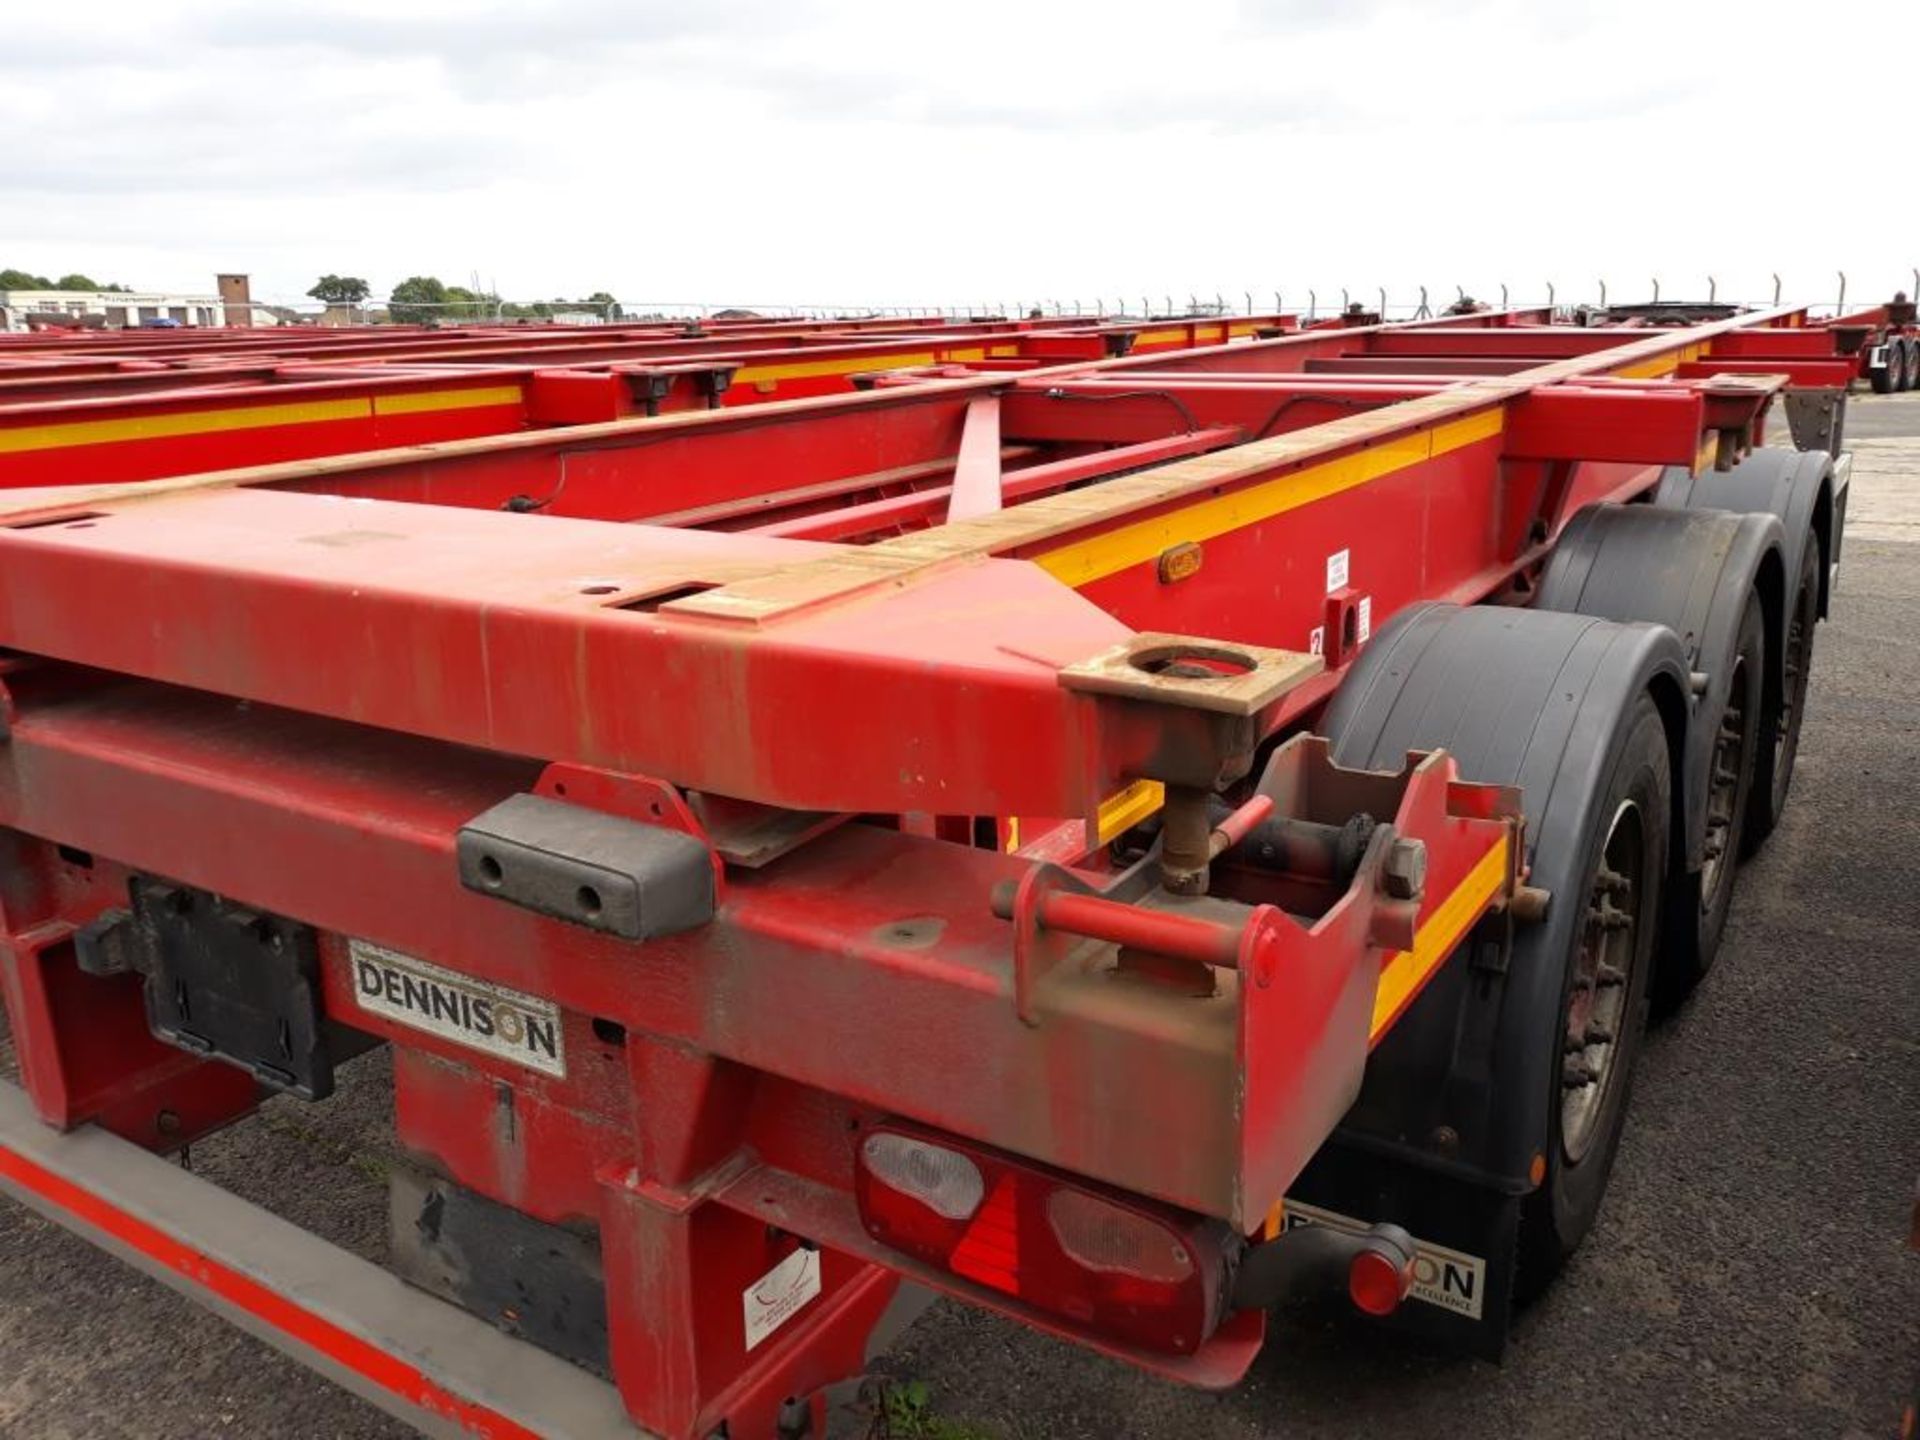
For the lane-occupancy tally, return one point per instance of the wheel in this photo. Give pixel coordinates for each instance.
(1773, 763)
(1729, 787)
(1910, 372)
(1887, 379)
(1795, 487)
(1697, 572)
(1604, 999)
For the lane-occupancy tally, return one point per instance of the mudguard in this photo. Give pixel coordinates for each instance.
(1799, 488)
(1691, 571)
(1453, 1109)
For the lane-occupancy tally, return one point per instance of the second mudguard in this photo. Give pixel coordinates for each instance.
(1691, 571)
(1802, 489)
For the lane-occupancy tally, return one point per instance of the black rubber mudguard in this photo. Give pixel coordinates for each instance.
(1794, 486)
(1691, 571)
(1518, 697)
(1454, 1105)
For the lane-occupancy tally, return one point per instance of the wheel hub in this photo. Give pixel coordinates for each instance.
(1598, 1000)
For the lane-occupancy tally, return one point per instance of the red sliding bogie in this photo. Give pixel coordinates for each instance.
(900, 663)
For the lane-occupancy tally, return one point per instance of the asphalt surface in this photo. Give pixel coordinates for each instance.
(1747, 1277)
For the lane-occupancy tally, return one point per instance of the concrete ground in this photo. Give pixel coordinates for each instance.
(1747, 1277)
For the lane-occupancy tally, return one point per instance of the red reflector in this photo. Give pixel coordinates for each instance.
(1118, 1265)
(1378, 1282)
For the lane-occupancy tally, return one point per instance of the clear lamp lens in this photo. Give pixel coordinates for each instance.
(947, 1183)
(1104, 1237)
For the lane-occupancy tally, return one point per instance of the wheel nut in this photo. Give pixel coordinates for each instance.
(1576, 1074)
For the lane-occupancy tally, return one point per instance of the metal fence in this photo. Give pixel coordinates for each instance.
(1311, 302)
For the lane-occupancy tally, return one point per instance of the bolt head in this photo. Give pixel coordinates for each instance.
(1404, 875)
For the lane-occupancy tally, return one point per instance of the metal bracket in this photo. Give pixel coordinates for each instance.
(1817, 418)
(1199, 674)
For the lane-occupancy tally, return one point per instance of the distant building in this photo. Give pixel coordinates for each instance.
(236, 295)
(114, 309)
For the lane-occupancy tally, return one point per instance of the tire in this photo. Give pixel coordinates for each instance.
(1605, 995)
(1699, 907)
(1910, 375)
(1889, 377)
(1773, 763)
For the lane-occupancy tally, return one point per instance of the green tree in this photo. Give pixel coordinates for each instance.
(416, 299)
(27, 280)
(605, 304)
(340, 289)
(465, 304)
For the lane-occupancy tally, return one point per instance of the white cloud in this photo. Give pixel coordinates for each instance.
(891, 153)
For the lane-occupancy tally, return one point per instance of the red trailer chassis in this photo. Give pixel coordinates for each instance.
(906, 852)
(220, 410)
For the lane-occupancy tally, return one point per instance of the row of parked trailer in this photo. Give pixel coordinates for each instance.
(1119, 823)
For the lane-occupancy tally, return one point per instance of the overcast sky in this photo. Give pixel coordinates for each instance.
(894, 153)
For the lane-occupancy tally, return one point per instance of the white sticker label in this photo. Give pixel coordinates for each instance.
(1365, 627)
(1317, 641)
(776, 1297)
(522, 1028)
(1450, 1279)
(1336, 571)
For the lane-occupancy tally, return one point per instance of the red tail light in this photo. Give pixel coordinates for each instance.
(1378, 1280)
(1123, 1267)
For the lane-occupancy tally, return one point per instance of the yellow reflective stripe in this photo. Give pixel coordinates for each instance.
(1158, 337)
(1662, 366)
(1080, 562)
(803, 369)
(191, 422)
(447, 400)
(1405, 971)
(1126, 808)
(1001, 352)
(253, 417)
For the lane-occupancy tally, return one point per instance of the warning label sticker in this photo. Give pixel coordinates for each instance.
(777, 1296)
(1451, 1279)
(522, 1028)
(1338, 568)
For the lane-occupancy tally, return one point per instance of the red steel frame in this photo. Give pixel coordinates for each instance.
(928, 605)
(220, 408)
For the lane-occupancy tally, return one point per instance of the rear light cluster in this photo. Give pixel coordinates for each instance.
(1121, 1267)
